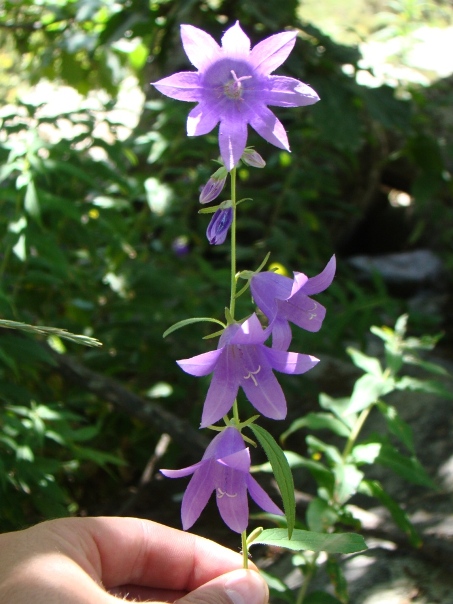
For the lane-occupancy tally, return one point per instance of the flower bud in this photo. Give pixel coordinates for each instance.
(252, 158)
(218, 227)
(214, 186)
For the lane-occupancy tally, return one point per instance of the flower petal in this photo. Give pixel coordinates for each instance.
(237, 461)
(235, 42)
(322, 281)
(219, 225)
(288, 92)
(197, 495)
(281, 334)
(231, 496)
(200, 47)
(290, 362)
(232, 136)
(183, 86)
(268, 126)
(261, 498)
(250, 332)
(202, 364)
(260, 384)
(228, 442)
(303, 312)
(202, 119)
(268, 286)
(183, 471)
(272, 52)
(222, 390)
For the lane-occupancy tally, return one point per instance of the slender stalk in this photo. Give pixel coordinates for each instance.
(308, 576)
(356, 431)
(245, 551)
(233, 243)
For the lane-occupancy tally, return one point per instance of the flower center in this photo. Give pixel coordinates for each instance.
(221, 493)
(251, 375)
(233, 89)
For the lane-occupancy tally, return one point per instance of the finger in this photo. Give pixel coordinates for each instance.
(237, 587)
(123, 551)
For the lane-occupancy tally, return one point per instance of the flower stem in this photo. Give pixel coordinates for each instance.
(233, 244)
(355, 431)
(245, 551)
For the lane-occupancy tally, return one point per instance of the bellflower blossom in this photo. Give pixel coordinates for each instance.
(219, 225)
(241, 359)
(225, 469)
(283, 299)
(234, 86)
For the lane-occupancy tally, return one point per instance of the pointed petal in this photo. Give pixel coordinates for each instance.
(235, 42)
(232, 502)
(222, 390)
(202, 364)
(232, 136)
(183, 86)
(268, 286)
(228, 442)
(290, 362)
(202, 119)
(201, 48)
(237, 461)
(197, 495)
(268, 126)
(303, 312)
(322, 281)
(299, 281)
(251, 332)
(260, 384)
(272, 52)
(288, 92)
(261, 498)
(281, 334)
(183, 471)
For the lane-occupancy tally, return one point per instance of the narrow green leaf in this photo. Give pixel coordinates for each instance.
(373, 488)
(397, 426)
(407, 467)
(185, 322)
(318, 421)
(367, 390)
(31, 202)
(337, 579)
(320, 515)
(365, 453)
(282, 473)
(347, 481)
(428, 386)
(337, 543)
(363, 361)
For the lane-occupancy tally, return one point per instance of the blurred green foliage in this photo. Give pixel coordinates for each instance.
(100, 233)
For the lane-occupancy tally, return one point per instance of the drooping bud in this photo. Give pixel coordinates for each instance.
(252, 158)
(214, 186)
(218, 227)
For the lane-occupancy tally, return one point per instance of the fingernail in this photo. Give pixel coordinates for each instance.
(247, 587)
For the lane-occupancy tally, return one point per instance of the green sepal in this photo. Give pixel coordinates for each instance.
(185, 322)
(282, 473)
(332, 543)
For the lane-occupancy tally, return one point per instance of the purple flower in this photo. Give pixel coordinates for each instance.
(233, 86)
(241, 359)
(283, 299)
(225, 469)
(214, 186)
(218, 227)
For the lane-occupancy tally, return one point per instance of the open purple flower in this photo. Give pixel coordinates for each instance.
(241, 359)
(283, 299)
(233, 86)
(225, 469)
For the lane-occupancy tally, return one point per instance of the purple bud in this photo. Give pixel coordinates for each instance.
(214, 186)
(218, 227)
(252, 158)
(180, 246)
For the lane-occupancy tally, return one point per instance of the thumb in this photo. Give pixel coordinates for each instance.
(236, 587)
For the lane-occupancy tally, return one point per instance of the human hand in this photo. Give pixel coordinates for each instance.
(101, 560)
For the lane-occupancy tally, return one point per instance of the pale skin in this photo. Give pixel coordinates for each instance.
(109, 560)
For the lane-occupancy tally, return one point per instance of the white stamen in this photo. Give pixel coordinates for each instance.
(221, 493)
(251, 375)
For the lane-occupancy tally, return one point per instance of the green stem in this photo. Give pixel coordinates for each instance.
(356, 431)
(233, 244)
(308, 576)
(245, 551)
